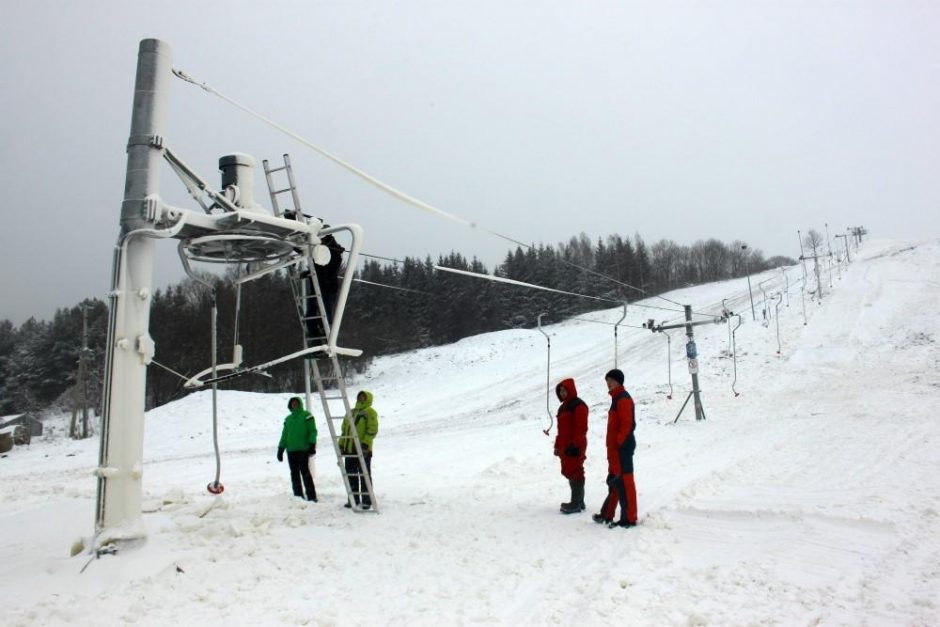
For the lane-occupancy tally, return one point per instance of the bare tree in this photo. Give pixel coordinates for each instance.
(813, 240)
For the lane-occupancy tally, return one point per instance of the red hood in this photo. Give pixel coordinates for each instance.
(568, 384)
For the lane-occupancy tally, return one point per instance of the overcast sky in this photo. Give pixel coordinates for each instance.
(682, 120)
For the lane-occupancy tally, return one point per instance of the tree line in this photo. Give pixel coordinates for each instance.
(396, 307)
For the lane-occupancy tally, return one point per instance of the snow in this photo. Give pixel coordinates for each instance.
(810, 498)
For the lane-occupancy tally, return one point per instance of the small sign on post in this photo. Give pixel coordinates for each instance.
(693, 366)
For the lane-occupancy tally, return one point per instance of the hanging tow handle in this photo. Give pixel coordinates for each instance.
(548, 365)
(734, 355)
(617, 324)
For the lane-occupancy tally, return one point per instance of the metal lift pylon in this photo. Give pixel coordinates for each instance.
(322, 367)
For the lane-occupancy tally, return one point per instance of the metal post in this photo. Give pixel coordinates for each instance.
(747, 268)
(802, 253)
(838, 267)
(725, 312)
(819, 289)
(803, 296)
(130, 347)
(83, 371)
(669, 362)
(845, 240)
(693, 364)
(779, 298)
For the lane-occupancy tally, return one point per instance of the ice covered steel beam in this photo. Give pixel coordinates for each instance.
(130, 347)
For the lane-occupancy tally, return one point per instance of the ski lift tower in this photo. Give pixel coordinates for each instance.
(691, 352)
(230, 228)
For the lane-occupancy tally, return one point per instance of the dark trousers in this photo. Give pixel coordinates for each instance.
(299, 462)
(329, 295)
(356, 483)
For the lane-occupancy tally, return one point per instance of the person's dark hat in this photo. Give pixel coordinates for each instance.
(616, 375)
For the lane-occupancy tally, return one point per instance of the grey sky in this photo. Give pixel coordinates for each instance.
(539, 120)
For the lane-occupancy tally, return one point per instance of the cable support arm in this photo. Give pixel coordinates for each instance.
(179, 166)
(665, 327)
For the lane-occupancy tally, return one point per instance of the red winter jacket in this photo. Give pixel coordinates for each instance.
(621, 422)
(572, 423)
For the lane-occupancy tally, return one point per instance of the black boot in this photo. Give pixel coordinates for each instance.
(577, 498)
(566, 506)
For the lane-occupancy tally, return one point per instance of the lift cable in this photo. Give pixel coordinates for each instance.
(385, 187)
(610, 324)
(398, 261)
(499, 279)
(393, 287)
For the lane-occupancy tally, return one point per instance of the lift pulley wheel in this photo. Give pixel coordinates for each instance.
(238, 248)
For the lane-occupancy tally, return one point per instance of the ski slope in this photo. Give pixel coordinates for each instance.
(811, 498)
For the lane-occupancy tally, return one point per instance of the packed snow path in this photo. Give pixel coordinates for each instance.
(811, 498)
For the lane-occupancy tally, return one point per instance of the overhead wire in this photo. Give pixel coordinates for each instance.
(385, 187)
(393, 287)
(398, 261)
(499, 279)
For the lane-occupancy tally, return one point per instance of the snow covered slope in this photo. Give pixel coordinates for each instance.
(810, 498)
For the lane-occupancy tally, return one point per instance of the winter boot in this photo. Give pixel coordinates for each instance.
(577, 498)
(566, 506)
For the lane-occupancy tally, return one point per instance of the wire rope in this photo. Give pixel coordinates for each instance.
(385, 187)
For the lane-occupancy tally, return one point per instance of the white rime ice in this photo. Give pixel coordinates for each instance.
(812, 498)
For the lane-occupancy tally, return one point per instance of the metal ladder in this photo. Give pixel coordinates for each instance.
(291, 186)
(322, 367)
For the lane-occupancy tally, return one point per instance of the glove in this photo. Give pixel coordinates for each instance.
(573, 451)
(280, 453)
(313, 449)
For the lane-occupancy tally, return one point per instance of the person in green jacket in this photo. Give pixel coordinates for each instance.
(299, 439)
(367, 427)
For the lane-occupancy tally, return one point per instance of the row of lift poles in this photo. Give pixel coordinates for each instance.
(691, 352)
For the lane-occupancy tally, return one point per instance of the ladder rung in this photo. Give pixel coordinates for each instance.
(272, 171)
(281, 191)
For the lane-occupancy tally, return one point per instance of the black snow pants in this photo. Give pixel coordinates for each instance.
(356, 483)
(299, 462)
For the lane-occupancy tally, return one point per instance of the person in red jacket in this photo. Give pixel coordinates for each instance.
(571, 442)
(621, 443)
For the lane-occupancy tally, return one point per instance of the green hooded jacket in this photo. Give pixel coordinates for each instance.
(367, 426)
(300, 429)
